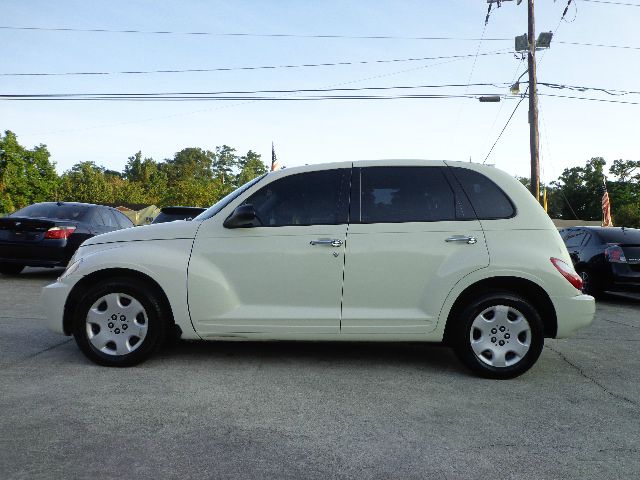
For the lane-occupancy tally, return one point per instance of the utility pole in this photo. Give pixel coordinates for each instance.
(531, 44)
(534, 137)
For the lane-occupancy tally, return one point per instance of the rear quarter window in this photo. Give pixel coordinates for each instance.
(488, 200)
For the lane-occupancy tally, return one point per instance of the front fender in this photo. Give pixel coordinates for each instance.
(164, 261)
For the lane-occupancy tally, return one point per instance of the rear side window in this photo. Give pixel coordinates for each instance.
(107, 218)
(402, 194)
(122, 219)
(488, 200)
(313, 198)
(574, 238)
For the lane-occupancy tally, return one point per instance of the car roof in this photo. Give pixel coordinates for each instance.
(391, 162)
(81, 204)
(179, 209)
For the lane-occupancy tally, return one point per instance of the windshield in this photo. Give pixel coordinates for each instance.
(220, 204)
(54, 211)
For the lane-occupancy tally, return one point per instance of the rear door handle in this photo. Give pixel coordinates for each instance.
(329, 242)
(462, 239)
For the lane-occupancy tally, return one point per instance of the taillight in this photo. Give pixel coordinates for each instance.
(59, 233)
(567, 272)
(615, 254)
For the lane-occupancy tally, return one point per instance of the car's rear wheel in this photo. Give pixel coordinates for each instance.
(500, 335)
(119, 323)
(590, 285)
(11, 268)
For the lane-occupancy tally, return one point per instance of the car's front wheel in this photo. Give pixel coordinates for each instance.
(500, 335)
(119, 322)
(11, 268)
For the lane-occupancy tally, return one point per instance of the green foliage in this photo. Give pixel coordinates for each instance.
(193, 177)
(250, 166)
(626, 215)
(581, 189)
(26, 176)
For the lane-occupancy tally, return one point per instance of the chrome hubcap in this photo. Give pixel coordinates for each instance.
(116, 324)
(500, 336)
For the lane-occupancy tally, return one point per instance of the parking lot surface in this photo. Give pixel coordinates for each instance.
(314, 410)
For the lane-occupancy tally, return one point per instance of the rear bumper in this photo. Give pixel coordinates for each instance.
(573, 313)
(55, 253)
(53, 299)
(624, 277)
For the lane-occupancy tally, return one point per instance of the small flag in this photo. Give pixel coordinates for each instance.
(606, 210)
(274, 160)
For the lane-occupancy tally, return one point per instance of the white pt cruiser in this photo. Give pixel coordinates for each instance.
(399, 250)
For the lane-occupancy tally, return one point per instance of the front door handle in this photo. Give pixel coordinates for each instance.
(329, 242)
(462, 239)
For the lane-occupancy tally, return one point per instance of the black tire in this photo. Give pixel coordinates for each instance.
(512, 309)
(11, 268)
(590, 284)
(153, 321)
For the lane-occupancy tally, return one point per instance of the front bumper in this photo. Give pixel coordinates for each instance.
(53, 300)
(573, 313)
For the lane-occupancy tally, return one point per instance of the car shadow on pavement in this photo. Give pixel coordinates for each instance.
(620, 298)
(37, 273)
(431, 356)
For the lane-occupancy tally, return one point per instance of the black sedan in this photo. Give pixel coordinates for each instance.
(48, 234)
(607, 258)
(169, 214)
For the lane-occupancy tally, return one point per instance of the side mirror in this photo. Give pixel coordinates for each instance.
(243, 216)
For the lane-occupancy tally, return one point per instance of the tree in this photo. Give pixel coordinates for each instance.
(624, 192)
(250, 166)
(224, 163)
(582, 189)
(146, 181)
(26, 176)
(86, 182)
(189, 163)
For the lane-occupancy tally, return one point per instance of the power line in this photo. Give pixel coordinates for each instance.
(612, 3)
(608, 91)
(603, 100)
(293, 35)
(601, 45)
(262, 67)
(472, 96)
(243, 34)
(505, 125)
(495, 119)
(250, 92)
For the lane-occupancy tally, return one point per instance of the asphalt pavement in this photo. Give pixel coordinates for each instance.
(287, 410)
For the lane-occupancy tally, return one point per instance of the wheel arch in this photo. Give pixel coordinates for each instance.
(79, 288)
(531, 291)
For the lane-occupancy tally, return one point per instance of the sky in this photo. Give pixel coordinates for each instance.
(309, 132)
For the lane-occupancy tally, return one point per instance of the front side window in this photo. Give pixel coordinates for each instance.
(223, 202)
(313, 198)
(402, 194)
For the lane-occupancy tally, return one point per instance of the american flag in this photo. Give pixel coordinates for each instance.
(606, 210)
(274, 160)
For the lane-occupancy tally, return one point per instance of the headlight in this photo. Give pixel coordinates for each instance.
(73, 266)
